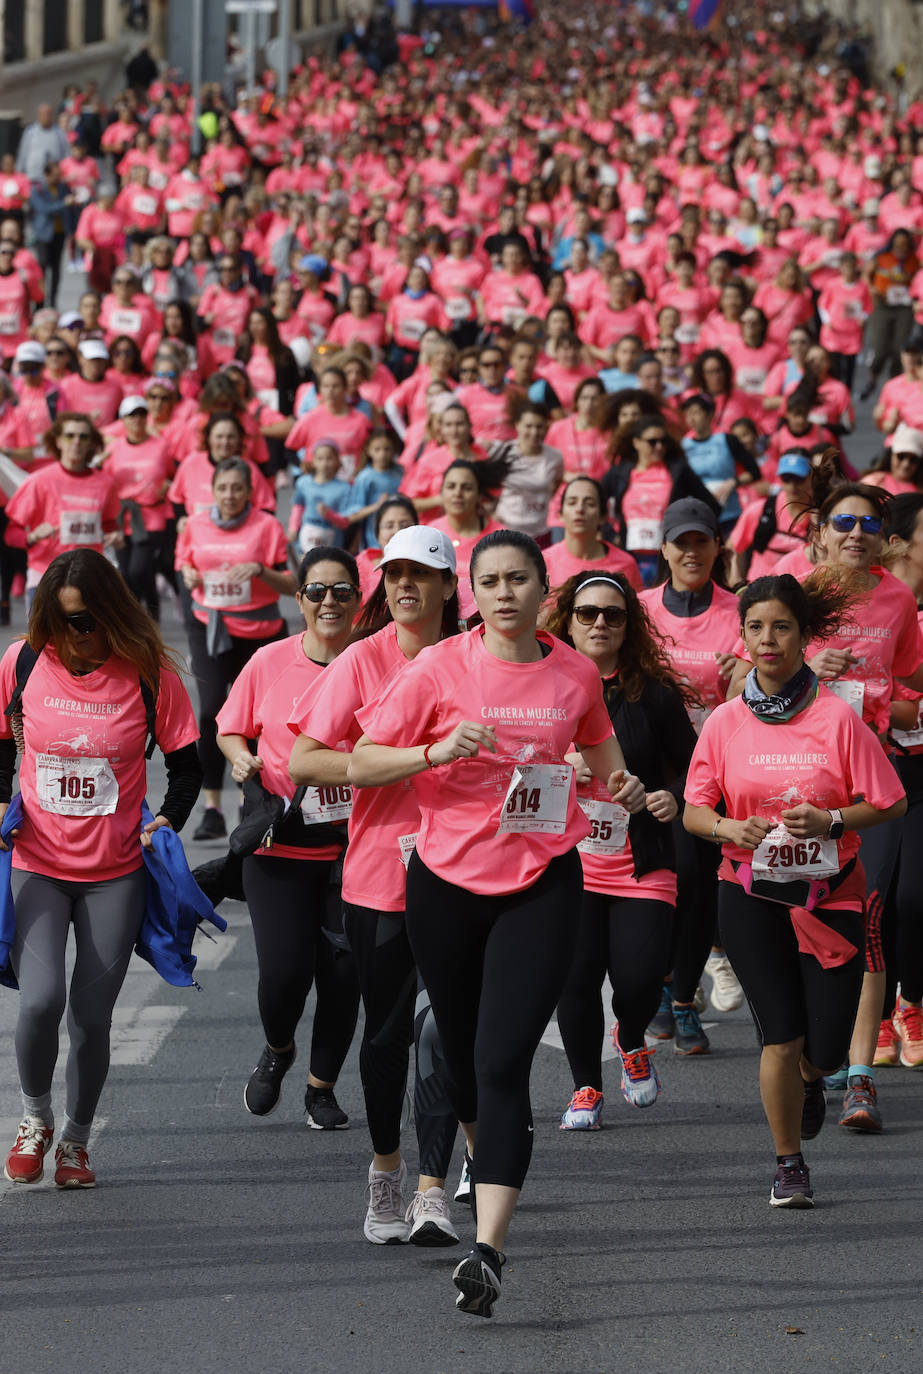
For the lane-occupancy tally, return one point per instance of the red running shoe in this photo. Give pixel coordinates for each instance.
(72, 1166)
(908, 1025)
(25, 1163)
(888, 1049)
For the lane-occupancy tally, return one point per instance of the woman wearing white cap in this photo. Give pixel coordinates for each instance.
(414, 606)
(92, 392)
(36, 405)
(482, 723)
(898, 471)
(140, 466)
(15, 302)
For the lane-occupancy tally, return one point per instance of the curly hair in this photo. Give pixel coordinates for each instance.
(642, 656)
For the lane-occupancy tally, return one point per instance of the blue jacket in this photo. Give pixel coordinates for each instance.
(7, 915)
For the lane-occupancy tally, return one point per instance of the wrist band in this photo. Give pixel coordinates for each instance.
(426, 758)
(714, 829)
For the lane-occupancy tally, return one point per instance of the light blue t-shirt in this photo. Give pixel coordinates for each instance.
(370, 484)
(336, 494)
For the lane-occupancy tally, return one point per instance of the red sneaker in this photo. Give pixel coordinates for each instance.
(888, 1049)
(72, 1166)
(908, 1025)
(25, 1163)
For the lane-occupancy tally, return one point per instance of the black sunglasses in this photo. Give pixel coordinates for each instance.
(614, 616)
(342, 591)
(81, 621)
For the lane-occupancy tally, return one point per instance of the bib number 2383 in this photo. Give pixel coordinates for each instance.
(75, 787)
(536, 800)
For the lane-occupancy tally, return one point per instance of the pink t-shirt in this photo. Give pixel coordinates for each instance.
(562, 564)
(824, 755)
(536, 709)
(82, 506)
(613, 874)
(646, 498)
(584, 450)
(374, 874)
(693, 641)
(191, 488)
(349, 430)
(99, 400)
(141, 472)
(82, 775)
(258, 707)
(781, 542)
(211, 551)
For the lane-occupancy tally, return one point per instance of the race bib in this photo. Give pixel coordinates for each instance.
(125, 321)
(81, 527)
(219, 592)
(752, 380)
(608, 826)
(719, 490)
(269, 396)
(413, 329)
(458, 307)
(10, 189)
(853, 693)
(781, 858)
(9, 322)
(333, 803)
(513, 316)
(853, 310)
(75, 787)
(145, 205)
(223, 338)
(313, 536)
(897, 295)
(643, 535)
(686, 333)
(910, 739)
(536, 799)
(408, 844)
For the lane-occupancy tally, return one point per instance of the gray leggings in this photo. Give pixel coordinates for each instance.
(106, 917)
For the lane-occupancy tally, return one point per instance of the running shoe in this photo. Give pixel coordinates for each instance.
(385, 1220)
(726, 992)
(264, 1086)
(477, 1279)
(888, 1049)
(322, 1112)
(25, 1163)
(640, 1084)
(211, 826)
(908, 1024)
(791, 1186)
(860, 1108)
(465, 1192)
(836, 1082)
(584, 1111)
(700, 1000)
(662, 1026)
(813, 1110)
(72, 1166)
(690, 1038)
(428, 1217)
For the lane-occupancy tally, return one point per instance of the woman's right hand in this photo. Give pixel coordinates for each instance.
(246, 766)
(748, 834)
(465, 742)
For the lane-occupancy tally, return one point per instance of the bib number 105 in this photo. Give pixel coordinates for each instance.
(75, 788)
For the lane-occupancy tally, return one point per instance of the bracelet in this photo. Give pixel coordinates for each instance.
(426, 758)
(714, 830)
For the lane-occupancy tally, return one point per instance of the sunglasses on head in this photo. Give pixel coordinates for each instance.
(871, 524)
(342, 591)
(614, 616)
(82, 621)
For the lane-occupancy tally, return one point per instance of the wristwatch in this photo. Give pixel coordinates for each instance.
(837, 826)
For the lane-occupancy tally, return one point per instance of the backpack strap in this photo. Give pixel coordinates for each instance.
(25, 662)
(150, 710)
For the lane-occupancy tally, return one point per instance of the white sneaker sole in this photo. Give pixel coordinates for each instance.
(796, 1202)
(393, 1236)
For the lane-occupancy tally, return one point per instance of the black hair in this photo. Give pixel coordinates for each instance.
(597, 487)
(818, 604)
(902, 513)
(327, 553)
(404, 502)
(238, 465)
(511, 539)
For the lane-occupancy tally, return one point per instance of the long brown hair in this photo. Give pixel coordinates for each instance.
(642, 656)
(129, 630)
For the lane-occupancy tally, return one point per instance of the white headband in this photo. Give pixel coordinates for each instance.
(612, 581)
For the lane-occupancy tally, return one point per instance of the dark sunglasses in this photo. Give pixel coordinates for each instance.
(871, 524)
(342, 591)
(659, 440)
(614, 616)
(82, 621)
(55, 352)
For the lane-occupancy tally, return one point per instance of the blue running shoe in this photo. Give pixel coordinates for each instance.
(662, 1025)
(836, 1082)
(584, 1111)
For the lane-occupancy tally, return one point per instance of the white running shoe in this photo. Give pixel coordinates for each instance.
(428, 1215)
(700, 1000)
(640, 1082)
(726, 992)
(385, 1222)
(584, 1111)
(463, 1191)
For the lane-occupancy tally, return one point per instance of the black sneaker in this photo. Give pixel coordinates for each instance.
(477, 1279)
(791, 1186)
(261, 1095)
(814, 1109)
(689, 1037)
(322, 1112)
(662, 1026)
(211, 826)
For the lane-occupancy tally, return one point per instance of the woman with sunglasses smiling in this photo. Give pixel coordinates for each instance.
(77, 853)
(629, 877)
(233, 561)
(290, 888)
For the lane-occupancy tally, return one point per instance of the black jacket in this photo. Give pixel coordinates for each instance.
(657, 740)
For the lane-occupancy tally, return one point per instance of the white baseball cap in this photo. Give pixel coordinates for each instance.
(131, 405)
(636, 216)
(71, 319)
(420, 544)
(30, 352)
(93, 348)
(907, 440)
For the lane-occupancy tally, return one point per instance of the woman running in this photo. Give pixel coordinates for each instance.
(290, 888)
(483, 722)
(629, 877)
(77, 854)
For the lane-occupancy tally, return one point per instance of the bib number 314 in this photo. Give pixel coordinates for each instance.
(536, 800)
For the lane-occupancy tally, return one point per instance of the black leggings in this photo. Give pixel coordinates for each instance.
(628, 938)
(790, 993)
(388, 982)
(436, 1122)
(214, 677)
(289, 901)
(904, 931)
(696, 909)
(138, 563)
(494, 968)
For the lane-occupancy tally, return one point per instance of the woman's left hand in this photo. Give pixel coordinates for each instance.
(627, 790)
(149, 829)
(806, 822)
(662, 805)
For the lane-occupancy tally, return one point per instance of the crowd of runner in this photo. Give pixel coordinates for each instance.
(487, 423)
